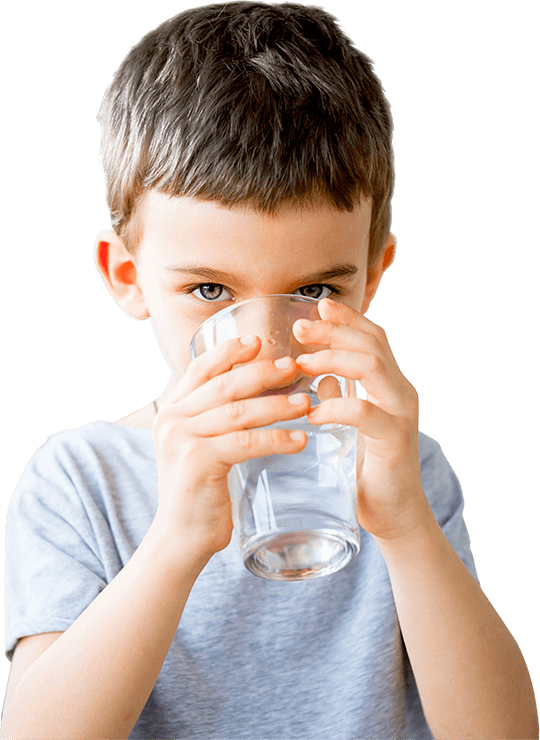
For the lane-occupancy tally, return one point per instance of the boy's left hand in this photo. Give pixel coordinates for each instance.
(391, 499)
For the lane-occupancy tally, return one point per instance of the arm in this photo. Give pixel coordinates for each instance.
(471, 676)
(470, 673)
(95, 679)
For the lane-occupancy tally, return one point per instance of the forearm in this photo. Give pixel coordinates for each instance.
(96, 678)
(471, 675)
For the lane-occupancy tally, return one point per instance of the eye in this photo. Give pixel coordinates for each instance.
(212, 292)
(318, 287)
(211, 298)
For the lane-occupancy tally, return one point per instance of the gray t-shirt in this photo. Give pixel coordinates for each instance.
(251, 658)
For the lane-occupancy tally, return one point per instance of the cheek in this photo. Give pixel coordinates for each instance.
(174, 337)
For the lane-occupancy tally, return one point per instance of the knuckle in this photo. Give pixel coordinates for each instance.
(414, 393)
(219, 383)
(411, 400)
(234, 410)
(366, 409)
(409, 391)
(168, 417)
(164, 424)
(164, 413)
(198, 369)
(380, 334)
(279, 437)
(246, 440)
(374, 345)
(330, 327)
(375, 363)
(190, 448)
(407, 434)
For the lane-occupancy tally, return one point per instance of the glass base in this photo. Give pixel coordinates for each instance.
(300, 555)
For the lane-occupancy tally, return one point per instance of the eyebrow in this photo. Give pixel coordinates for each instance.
(334, 271)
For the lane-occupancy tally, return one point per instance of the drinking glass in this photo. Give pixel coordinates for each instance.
(294, 515)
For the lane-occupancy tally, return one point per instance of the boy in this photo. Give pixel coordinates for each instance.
(248, 151)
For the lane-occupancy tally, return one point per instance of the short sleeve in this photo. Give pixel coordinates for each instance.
(53, 564)
(445, 496)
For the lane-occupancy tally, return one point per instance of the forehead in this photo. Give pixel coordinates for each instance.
(183, 229)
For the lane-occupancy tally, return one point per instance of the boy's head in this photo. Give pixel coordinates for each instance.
(247, 149)
(246, 103)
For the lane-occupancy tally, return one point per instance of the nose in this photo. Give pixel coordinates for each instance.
(272, 321)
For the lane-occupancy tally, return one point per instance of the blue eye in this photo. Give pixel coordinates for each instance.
(217, 288)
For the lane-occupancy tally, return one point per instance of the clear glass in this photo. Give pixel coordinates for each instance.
(294, 515)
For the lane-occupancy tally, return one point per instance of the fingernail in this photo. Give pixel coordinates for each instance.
(248, 339)
(296, 436)
(295, 399)
(282, 362)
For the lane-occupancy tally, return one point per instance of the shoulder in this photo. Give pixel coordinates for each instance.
(429, 448)
(439, 480)
(93, 487)
(85, 462)
(432, 458)
(98, 439)
(91, 434)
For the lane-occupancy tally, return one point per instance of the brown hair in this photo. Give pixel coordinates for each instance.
(248, 103)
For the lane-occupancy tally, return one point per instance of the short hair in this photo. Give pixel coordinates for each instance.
(248, 103)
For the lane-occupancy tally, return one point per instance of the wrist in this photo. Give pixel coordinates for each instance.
(174, 550)
(414, 542)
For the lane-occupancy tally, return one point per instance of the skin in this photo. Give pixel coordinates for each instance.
(266, 255)
(470, 672)
(263, 254)
(472, 678)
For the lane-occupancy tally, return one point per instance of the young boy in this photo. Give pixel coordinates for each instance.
(248, 152)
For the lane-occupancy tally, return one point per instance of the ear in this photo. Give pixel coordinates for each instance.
(375, 273)
(119, 272)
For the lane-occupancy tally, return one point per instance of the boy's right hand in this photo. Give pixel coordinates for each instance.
(209, 423)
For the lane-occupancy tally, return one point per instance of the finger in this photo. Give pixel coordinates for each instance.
(247, 444)
(244, 381)
(334, 336)
(250, 413)
(342, 314)
(382, 386)
(218, 360)
(328, 387)
(368, 418)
